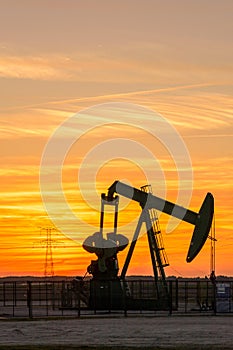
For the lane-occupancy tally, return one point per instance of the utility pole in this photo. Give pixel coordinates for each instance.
(213, 241)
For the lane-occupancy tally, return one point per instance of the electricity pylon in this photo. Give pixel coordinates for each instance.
(48, 242)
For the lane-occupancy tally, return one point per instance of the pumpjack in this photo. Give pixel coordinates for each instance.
(108, 289)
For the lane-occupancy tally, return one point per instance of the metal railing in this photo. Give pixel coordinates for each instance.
(48, 298)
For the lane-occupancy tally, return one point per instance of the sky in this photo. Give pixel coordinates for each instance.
(144, 60)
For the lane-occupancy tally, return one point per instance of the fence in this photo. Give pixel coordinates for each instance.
(68, 298)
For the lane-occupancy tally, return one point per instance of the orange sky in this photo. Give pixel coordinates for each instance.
(174, 58)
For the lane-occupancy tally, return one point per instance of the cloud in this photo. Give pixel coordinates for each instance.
(120, 67)
(53, 67)
(30, 68)
(27, 122)
(187, 107)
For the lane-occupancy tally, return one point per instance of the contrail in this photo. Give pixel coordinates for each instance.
(132, 93)
(116, 95)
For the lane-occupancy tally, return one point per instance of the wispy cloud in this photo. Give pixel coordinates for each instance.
(54, 67)
(40, 68)
(123, 67)
(189, 108)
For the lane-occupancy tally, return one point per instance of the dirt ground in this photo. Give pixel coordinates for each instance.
(160, 332)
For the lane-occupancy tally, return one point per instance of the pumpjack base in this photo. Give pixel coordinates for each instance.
(106, 294)
(113, 295)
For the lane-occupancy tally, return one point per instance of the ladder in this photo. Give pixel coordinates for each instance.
(158, 255)
(155, 233)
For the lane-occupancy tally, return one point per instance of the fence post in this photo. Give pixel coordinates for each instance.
(177, 296)
(186, 295)
(109, 296)
(15, 293)
(46, 296)
(79, 301)
(215, 297)
(13, 298)
(124, 297)
(4, 293)
(29, 299)
(53, 294)
(170, 297)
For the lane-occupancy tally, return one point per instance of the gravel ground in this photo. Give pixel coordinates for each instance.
(174, 332)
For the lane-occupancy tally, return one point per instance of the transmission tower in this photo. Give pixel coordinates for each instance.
(48, 242)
